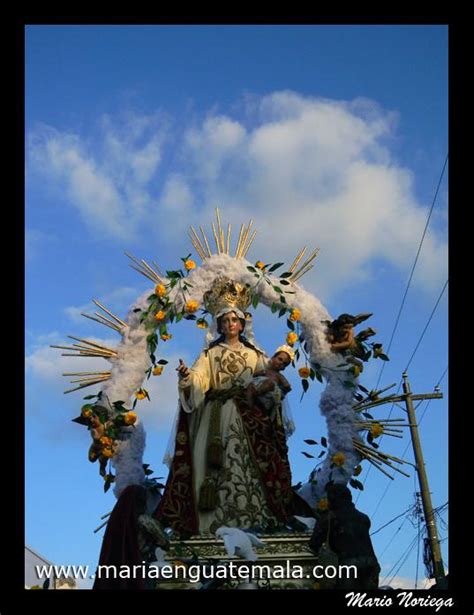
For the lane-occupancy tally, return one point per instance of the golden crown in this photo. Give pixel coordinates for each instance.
(226, 293)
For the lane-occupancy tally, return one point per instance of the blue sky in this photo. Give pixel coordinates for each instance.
(328, 136)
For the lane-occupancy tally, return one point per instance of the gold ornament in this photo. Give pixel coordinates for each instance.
(225, 293)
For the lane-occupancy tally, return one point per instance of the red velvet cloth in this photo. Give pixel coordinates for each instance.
(120, 543)
(267, 442)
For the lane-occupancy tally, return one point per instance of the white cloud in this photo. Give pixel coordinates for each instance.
(107, 185)
(319, 173)
(309, 171)
(407, 583)
(48, 364)
(34, 242)
(117, 301)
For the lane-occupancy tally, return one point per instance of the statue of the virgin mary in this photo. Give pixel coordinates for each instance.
(228, 458)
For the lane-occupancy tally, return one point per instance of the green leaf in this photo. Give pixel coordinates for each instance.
(367, 415)
(305, 384)
(356, 484)
(310, 442)
(179, 317)
(282, 312)
(290, 324)
(137, 310)
(362, 388)
(349, 385)
(287, 274)
(312, 374)
(90, 397)
(384, 357)
(297, 354)
(307, 455)
(252, 269)
(273, 308)
(318, 376)
(324, 442)
(277, 289)
(162, 362)
(255, 301)
(321, 454)
(275, 267)
(284, 282)
(134, 403)
(282, 299)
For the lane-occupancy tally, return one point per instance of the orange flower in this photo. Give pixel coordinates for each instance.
(166, 336)
(86, 411)
(189, 264)
(376, 430)
(130, 418)
(260, 265)
(304, 372)
(202, 324)
(140, 394)
(192, 306)
(158, 371)
(107, 452)
(338, 459)
(322, 504)
(106, 441)
(160, 290)
(291, 338)
(160, 315)
(295, 315)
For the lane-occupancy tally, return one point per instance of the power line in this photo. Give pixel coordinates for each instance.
(399, 384)
(402, 559)
(394, 519)
(413, 268)
(426, 326)
(407, 446)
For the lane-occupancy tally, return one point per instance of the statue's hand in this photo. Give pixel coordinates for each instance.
(182, 370)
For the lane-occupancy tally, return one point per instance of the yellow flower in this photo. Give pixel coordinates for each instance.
(106, 441)
(295, 315)
(130, 418)
(160, 290)
(166, 336)
(291, 338)
(376, 430)
(192, 306)
(202, 324)
(338, 459)
(140, 394)
(107, 452)
(260, 265)
(189, 264)
(357, 470)
(355, 370)
(86, 412)
(322, 504)
(157, 371)
(160, 315)
(304, 372)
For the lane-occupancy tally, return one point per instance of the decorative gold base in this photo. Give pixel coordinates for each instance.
(285, 562)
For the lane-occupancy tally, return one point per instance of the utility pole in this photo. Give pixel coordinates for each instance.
(423, 478)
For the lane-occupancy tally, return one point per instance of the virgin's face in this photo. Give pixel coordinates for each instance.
(231, 325)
